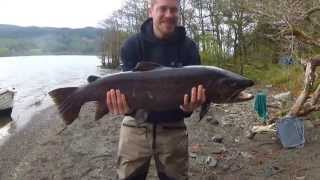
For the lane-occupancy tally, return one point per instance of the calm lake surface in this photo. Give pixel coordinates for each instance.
(34, 76)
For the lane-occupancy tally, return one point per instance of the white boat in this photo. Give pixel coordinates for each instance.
(6, 100)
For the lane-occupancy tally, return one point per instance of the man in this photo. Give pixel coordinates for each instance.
(161, 135)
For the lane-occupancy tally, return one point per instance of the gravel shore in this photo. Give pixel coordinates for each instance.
(87, 148)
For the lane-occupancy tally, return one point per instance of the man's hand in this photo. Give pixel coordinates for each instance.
(198, 97)
(116, 102)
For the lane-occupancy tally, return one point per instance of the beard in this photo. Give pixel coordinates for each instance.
(168, 25)
(172, 21)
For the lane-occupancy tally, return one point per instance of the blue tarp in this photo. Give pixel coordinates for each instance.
(286, 60)
(290, 131)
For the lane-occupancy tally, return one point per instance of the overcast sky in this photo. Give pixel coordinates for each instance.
(57, 13)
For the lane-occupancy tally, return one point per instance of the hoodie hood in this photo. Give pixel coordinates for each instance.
(178, 36)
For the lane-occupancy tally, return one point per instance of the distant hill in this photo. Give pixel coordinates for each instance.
(17, 41)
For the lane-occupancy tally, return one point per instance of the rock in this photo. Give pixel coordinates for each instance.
(201, 160)
(214, 122)
(208, 160)
(301, 178)
(283, 96)
(226, 167)
(268, 172)
(218, 149)
(315, 138)
(246, 155)
(217, 139)
(226, 123)
(236, 167)
(211, 162)
(271, 170)
(208, 118)
(195, 148)
(237, 139)
(250, 134)
(193, 155)
(233, 155)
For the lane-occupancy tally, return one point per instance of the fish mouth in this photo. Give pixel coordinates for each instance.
(242, 96)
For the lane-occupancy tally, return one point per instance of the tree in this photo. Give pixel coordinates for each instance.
(118, 27)
(111, 43)
(294, 23)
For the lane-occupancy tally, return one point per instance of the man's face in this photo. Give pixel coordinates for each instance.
(165, 17)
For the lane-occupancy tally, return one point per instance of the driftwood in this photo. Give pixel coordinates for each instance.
(261, 129)
(305, 103)
(301, 105)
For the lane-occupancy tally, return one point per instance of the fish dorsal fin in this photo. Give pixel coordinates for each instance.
(146, 66)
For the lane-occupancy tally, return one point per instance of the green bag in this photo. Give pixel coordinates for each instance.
(260, 106)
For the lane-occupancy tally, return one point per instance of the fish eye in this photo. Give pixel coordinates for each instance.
(229, 83)
(233, 84)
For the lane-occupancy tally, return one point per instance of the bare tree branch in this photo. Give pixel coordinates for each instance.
(302, 36)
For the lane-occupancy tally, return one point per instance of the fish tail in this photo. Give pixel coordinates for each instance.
(68, 106)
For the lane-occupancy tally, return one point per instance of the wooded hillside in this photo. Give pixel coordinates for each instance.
(16, 41)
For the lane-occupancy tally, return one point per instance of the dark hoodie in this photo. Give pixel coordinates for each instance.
(178, 50)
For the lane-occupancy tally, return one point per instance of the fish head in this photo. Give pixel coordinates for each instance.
(228, 87)
(238, 93)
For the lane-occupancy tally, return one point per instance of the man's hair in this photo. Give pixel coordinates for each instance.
(152, 2)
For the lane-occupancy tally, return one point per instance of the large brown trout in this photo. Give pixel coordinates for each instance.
(153, 87)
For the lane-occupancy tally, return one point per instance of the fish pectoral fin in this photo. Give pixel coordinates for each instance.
(101, 110)
(204, 110)
(146, 66)
(92, 78)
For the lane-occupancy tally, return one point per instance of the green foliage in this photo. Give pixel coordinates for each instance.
(261, 64)
(282, 76)
(213, 55)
